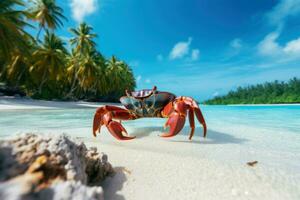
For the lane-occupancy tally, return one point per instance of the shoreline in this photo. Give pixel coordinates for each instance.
(280, 104)
(16, 103)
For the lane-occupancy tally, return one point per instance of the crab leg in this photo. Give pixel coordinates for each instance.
(105, 115)
(180, 107)
(200, 118)
(193, 105)
(192, 123)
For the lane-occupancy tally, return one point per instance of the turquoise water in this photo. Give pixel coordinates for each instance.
(274, 118)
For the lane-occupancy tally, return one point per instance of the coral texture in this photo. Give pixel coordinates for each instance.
(50, 167)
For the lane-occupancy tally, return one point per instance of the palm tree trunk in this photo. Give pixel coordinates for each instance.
(43, 81)
(19, 78)
(73, 85)
(94, 89)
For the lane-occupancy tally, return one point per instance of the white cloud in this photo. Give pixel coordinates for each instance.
(236, 43)
(282, 11)
(292, 47)
(138, 78)
(159, 57)
(270, 47)
(277, 17)
(195, 54)
(82, 8)
(183, 50)
(180, 49)
(147, 80)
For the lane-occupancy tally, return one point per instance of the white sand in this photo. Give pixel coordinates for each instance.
(151, 167)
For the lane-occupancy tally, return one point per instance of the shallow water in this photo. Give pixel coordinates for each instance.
(271, 132)
(268, 132)
(273, 118)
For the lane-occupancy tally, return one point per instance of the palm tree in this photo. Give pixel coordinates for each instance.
(16, 69)
(89, 73)
(114, 71)
(120, 77)
(88, 63)
(46, 68)
(12, 23)
(49, 60)
(73, 63)
(83, 39)
(127, 77)
(114, 67)
(102, 80)
(47, 14)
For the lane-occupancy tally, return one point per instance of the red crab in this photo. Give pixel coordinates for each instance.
(149, 103)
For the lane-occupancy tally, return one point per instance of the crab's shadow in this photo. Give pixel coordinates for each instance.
(213, 137)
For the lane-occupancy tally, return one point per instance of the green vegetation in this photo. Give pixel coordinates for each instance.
(267, 93)
(45, 68)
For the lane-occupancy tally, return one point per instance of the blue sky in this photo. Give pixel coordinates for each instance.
(199, 48)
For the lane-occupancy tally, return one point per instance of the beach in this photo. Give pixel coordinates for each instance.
(62, 61)
(151, 167)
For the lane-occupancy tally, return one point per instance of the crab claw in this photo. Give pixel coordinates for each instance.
(96, 123)
(118, 131)
(175, 122)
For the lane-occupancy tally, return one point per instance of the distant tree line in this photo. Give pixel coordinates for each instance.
(267, 93)
(45, 68)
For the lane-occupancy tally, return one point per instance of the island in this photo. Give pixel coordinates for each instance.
(267, 93)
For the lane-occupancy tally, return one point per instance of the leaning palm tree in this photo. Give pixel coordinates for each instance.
(12, 33)
(16, 70)
(83, 39)
(73, 63)
(87, 65)
(49, 60)
(47, 14)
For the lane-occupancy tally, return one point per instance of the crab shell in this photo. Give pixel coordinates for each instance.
(146, 103)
